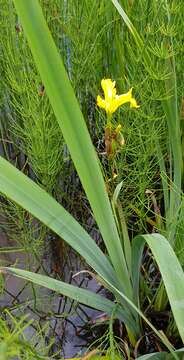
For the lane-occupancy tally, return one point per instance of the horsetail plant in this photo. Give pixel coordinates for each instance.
(114, 271)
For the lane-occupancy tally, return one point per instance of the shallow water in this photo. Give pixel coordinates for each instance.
(64, 319)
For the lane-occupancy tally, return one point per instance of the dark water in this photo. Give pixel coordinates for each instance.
(66, 321)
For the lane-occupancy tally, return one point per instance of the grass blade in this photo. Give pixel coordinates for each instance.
(137, 38)
(80, 295)
(31, 197)
(162, 356)
(171, 271)
(70, 119)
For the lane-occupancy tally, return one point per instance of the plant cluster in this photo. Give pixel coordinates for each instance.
(132, 181)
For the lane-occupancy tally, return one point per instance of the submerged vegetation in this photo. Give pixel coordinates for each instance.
(91, 189)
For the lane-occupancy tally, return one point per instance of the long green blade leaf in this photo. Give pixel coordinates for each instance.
(35, 278)
(162, 356)
(70, 119)
(171, 271)
(31, 197)
(83, 296)
(137, 38)
(171, 259)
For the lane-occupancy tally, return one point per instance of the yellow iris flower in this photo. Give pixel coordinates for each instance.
(112, 101)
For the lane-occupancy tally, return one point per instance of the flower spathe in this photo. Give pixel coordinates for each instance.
(113, 101)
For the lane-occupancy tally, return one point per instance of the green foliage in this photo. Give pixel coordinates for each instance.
(21, 227)
(13, 341)
(30, 121)
(158, 52)
(30, 136)
(140, 45)
(152, 44)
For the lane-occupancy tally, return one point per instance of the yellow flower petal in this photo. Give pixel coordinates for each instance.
(111, 101)
(123, 99)
(109, 89)
(101, 103)
(133, 103)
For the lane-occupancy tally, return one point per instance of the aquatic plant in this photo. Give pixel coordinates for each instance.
(120, 271)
